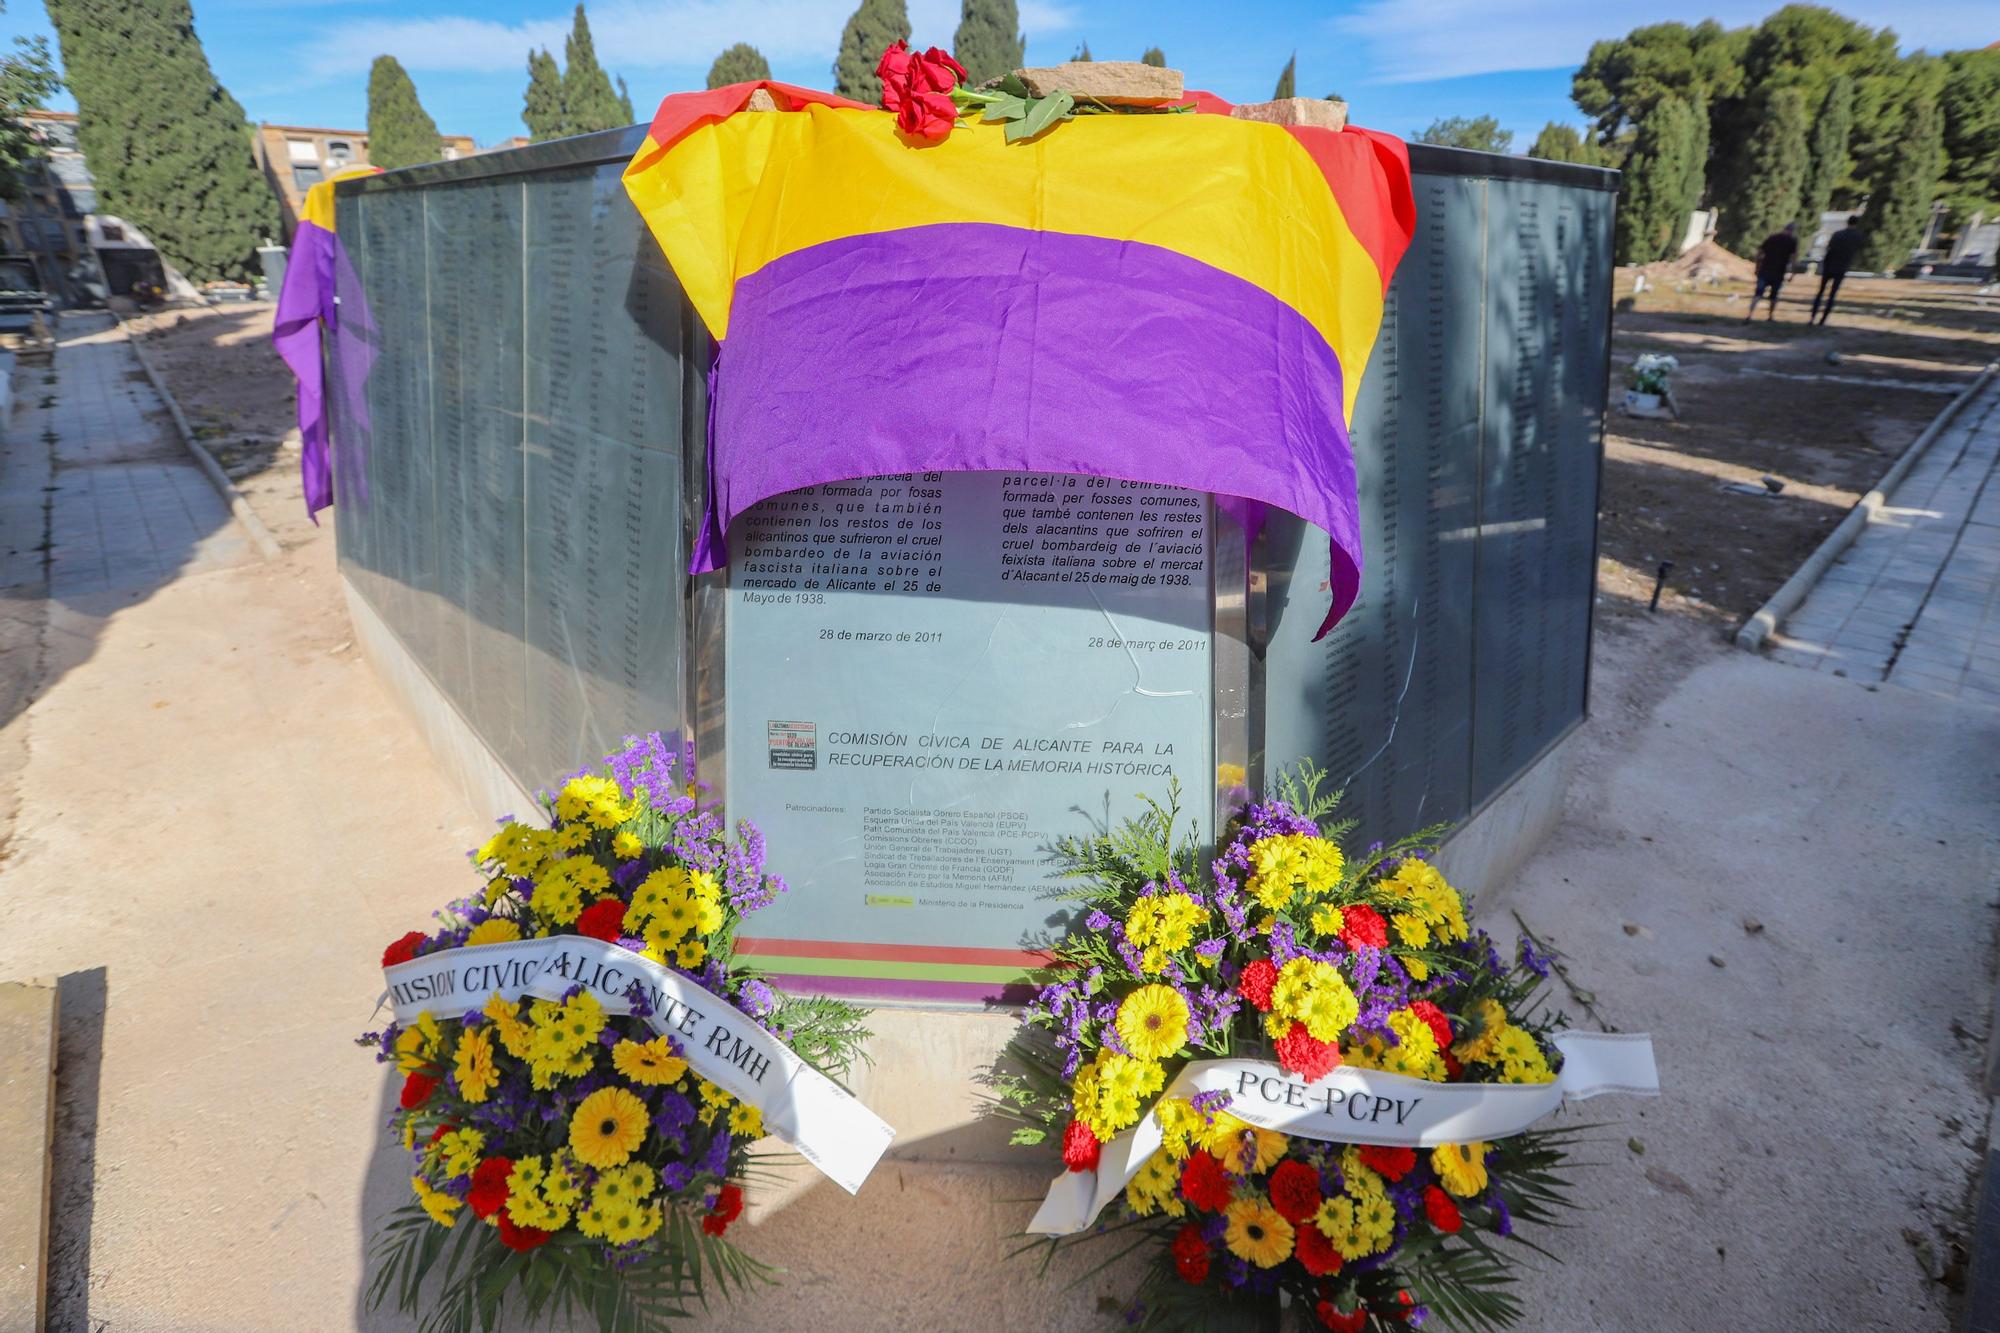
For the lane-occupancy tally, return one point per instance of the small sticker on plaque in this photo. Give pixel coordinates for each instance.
(793, 744)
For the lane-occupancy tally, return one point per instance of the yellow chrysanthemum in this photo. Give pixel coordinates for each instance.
(515, 1035)
(707, 914)
(1521, 1060)
(1156, 1187)
(494, 930)
(1163, 924)
(572, 838)
(690, 954)
(557, 895)
(517, 849)
(1485, 1020)
(712, 1095)
(474, 1063)
(1414, 1053)
(1153, 1022)
(675, 916)
(529, 1199)
(607, 1128)
(1339, 1220)
(1461, 1168)
(1328, 919)
(1180, 1125)
(1109, 1092)
(459, 1151)
(746, 1120)
(1243, 1147)
(442, 1207)
(417, 1045)
(626, 845)
(1257, 1233)
(648, 1063)
(653, 890)
(1314, 993)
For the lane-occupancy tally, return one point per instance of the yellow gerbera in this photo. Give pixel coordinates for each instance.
(649, 1063)
(1460, 1167)
(607, 1128)
(1257, 1233)
(494, 930)
(1242, 1147)
(1153, 1022)
(476, 1074)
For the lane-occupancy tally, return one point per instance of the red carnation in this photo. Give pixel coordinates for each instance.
(1451, 1065)
(602, 920)
(415, 1089)
(727, 1208)
(1306, 1055)
(519, 1238)
(489, 1186)
(1440, 1209)
(1080, 1147)
(403, 950)
(1294, 1190)
(1203, 1183)
(1395, 1163)
(1191, 1254)
(1315, 1252)
(1361, 925)
(1351, 1321)
(1256, 982)
(1435, 1020)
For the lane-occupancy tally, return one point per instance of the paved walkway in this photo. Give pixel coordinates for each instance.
(96, 493)
(1915, 600)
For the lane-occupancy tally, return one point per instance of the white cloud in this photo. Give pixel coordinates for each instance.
(678, 34)
(1408, 41)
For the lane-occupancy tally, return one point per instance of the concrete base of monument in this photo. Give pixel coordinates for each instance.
(928, 1066)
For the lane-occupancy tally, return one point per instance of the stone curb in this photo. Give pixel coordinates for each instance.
(1787, 598)
(28, 1013)
(260, 536)
(1982, 1277)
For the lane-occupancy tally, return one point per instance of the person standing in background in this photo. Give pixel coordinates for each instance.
(1774, 265)
(1841, 248)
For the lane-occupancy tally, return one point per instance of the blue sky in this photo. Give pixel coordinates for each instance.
(1398, 62)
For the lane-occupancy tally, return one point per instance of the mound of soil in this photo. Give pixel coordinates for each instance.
(1706, 262)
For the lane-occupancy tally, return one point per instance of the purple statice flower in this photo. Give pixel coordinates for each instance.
(1533, 959)
(472, 1018)
(1208, 1103)
(646, 765)
(1213, 1229)
(1097, 919)
(715, 1161)
(574, 991)
(759, 1000)
(1417, 1315)
(1503, 1216)
(1128, 953)
(1407, 1195)
(675, 1177)
(636, 996)
(673, 1117)
(522, 885)
(1210, 950)
(1235, 1272)
(628, 874)
(1134, 1312)
(609, 1037)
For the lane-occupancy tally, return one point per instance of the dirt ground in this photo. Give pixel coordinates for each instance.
(1823, 410)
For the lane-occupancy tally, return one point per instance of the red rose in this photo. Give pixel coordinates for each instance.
(1363, 925)
(935, 72)
(1191, 1254)
(519, 1238)
(893, 69)
(1435, 1020)
(1440, 1209)
(489, 1186)
(1315, 1252)
(602, 920)
(928, 116)
(1395, 1163)
(1352, 1321)
(1203, 1183)
(415, 1088)
(403, 950)
(1080, 1147)
(1306, 1055)
(1294, 1188)
(1256, 982)
(727, 1208)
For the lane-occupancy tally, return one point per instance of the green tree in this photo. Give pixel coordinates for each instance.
(589, 104)
(988, 41)
(1288, 79)
(1480, 132)
(400, 132)
(625, 103)
(871, 30)
(1565, 143)
(1623, 78)
(1662, 183)
(1900, 203)
(1970, 105)
(1155, 57)
(1335, 97)
(1768, 188)
(27, 80)
(1829, 165)
(1083, 55)
(542, 104)
(168, 145)
(741, 63)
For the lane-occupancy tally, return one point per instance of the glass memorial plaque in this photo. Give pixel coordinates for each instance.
(931, 677)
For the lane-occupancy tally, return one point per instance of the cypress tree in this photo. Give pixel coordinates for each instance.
(741, 63)
(1155, 57)
(1771, 175)
(1563, 143)
(542, 104)
(871, 29)
(1830, 161)
(1082, 55)
(588, 102)
(625, 102)
(988, 41)
(1900, 203)
(168, 145)
(400, 132)
(1663, 174)
(1288, 80)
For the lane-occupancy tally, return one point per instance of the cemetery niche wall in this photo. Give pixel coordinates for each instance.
(914, 683)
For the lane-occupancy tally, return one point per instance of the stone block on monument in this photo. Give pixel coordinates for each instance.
(1295, 111)
(1113, 82)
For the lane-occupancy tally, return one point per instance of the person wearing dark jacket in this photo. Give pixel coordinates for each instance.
(1774, 265)
(1841, 249)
